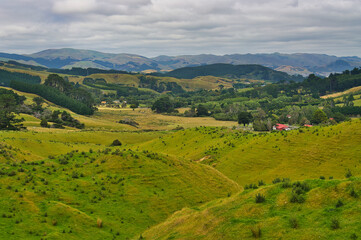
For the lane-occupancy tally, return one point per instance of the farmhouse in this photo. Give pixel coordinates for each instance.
(281, 127)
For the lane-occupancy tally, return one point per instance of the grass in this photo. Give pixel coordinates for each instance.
(239, 217)
(187, 183)
(334, 95)
(38, 145)
(247, 158)
(114, 193)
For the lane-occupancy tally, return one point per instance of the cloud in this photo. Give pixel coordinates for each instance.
(172, 27)
(74, 6)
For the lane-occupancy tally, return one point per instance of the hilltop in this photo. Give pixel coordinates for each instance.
(67, 58)
(232, 71)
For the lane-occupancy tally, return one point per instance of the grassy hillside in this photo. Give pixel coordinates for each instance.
(131, 80)
(247, 158)
(67, 197)
(234, 71)
(339, 94)
(331, 210)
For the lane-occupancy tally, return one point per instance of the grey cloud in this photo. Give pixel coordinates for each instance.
(155, 27)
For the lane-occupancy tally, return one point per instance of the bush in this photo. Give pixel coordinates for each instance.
(353, 193)
(75, 175)
(260, 198)
(116, 142)
(261, 183)
(348, 174)
(335, 224)
(339, 203)
(276, 180)
(322, 177)
(286, 184)
(44, 123)
(296, 198)
(353, 236)
(294, 222)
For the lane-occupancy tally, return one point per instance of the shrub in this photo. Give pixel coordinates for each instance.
(260, 198)
(276, 180)
(335, 224)
(339, 203)
(348, 174)
(303, 186)
(353, 193)
(44, 123)
(116, 142)
(286, 184)
(75, 175)
(261, 183)
(353, 236)
(296, 198)
(294, 222)
(322, 177)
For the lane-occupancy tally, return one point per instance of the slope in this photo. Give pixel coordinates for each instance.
(109, 194)
(247, 158)
(330, 210)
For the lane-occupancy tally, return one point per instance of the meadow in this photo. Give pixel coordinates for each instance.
(174, 177)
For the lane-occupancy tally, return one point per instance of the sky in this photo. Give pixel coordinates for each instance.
(177, 27)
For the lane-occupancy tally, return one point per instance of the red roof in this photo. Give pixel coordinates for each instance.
(308, 125)
(281, 126)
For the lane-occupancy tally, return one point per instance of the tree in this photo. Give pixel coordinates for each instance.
(244, 118)
(44, 123)
(116, 142)
(339, 117)
(134, 105)
(38, 104)
(163, 104)
(8, 109)
(202, 110)
(55, 81)
(319, 117)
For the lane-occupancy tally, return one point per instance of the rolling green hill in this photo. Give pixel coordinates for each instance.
(331, 210)
(249, 71)
(247, 158)
(66, 197)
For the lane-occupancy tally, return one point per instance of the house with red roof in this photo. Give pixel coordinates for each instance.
(281, 127)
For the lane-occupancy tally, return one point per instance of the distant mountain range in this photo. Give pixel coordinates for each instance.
(298, 63)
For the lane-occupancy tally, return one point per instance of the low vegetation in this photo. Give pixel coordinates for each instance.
(116, 155)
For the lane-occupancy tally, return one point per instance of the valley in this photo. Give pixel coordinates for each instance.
(165, 157)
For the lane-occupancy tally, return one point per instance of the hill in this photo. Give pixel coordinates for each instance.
(247, 158)
(329, 210)
(114, 193)
(233, 71)
(66, 58)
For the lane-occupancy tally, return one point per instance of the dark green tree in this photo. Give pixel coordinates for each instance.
(244, 118)
(163, 104)
(319, 117)
(38, 104)
(44, 123)
(202, 110)
(8, 111)
(134, 105)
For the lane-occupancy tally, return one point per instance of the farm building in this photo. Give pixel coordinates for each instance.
(281, 127)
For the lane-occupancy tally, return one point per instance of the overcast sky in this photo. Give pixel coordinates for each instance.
(176, 27)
